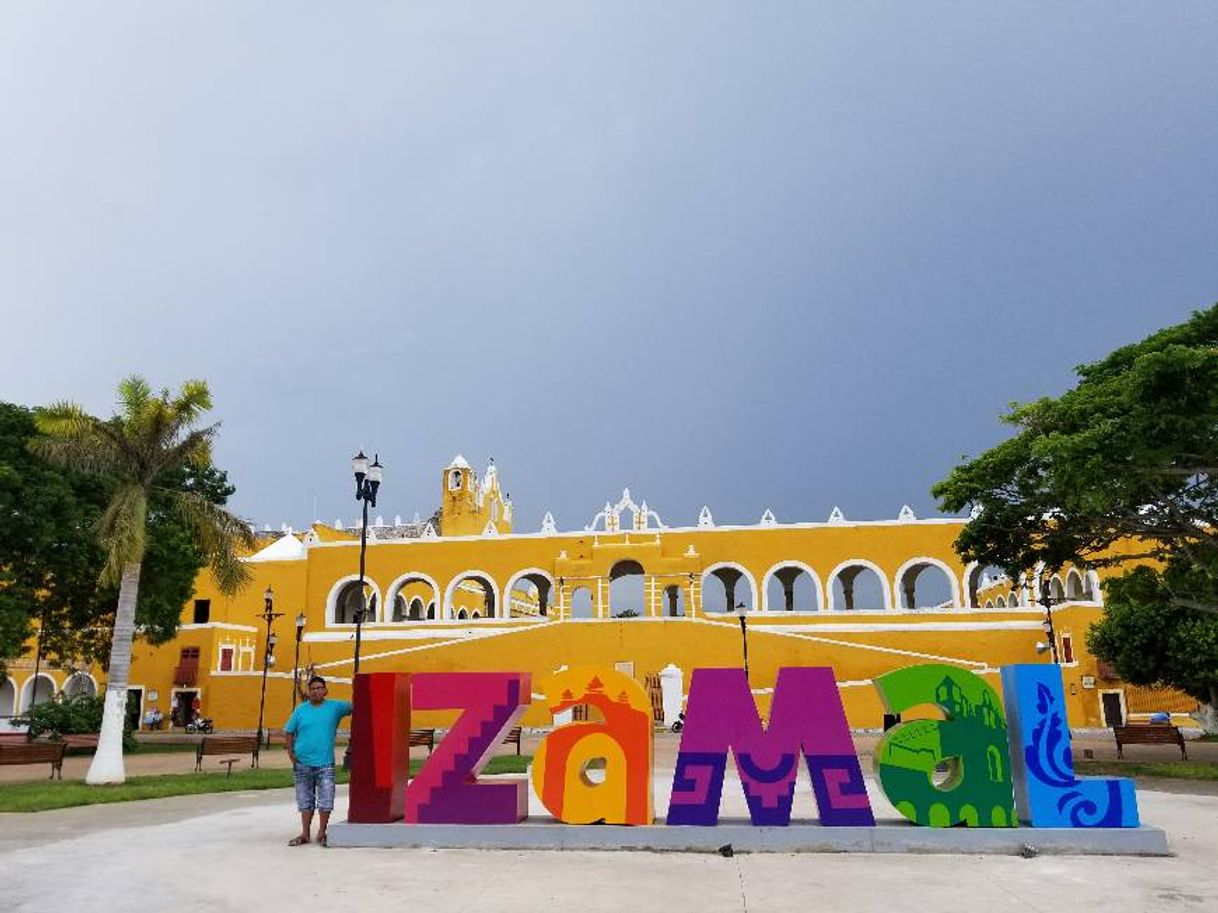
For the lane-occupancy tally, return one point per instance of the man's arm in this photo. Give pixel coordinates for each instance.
(291, 743)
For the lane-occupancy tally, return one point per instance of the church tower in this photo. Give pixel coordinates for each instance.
(470, 506)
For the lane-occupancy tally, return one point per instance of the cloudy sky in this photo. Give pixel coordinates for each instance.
(745, 255)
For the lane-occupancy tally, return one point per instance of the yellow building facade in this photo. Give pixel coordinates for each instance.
(465, 591)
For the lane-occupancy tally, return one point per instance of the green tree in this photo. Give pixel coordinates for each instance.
(140, 451)
(1120, 468)
(1152, 637)
(50, 559)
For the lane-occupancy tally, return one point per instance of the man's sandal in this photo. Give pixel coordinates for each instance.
(323, 840)
(298, 841)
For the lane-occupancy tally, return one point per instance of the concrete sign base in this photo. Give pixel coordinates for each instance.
(743, 837)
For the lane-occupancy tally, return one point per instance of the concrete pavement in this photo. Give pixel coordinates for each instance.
(228, 852)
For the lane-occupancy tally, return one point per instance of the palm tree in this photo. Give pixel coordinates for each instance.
(151, 436)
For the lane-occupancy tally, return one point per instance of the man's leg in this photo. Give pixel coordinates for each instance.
(325, 800)
(306, 783)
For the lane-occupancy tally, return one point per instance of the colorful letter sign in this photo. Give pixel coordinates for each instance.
(972, 742)
(622, 739)
(446, 790)
(380, 747)
(1047, 793)
(965, 769)
(806, 718)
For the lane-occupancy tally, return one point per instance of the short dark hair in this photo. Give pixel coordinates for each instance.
(317, 678)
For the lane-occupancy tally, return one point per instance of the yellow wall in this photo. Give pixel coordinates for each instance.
(858, 644)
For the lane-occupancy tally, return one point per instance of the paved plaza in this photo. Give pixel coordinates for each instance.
(228, 852)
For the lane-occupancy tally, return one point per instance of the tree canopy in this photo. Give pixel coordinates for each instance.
(51, 561)
(1126, 459)
(1119, 470)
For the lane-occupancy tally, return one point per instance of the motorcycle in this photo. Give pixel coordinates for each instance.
(200, 724)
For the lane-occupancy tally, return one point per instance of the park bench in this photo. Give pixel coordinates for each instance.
(227, 744)
(422, 737)
(1149, 734)
(81, 740)
(513, 736)
(38, 752)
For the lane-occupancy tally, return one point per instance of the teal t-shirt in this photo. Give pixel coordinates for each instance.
(314, 728)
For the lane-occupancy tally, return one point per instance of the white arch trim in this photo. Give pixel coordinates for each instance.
(885, 585)
(934, 562)
(765, 585)
(332, 598)
(385, 609)
(447, 610)
(530, 572)
(707, 572)
(25, 701)
(1097, 594)
(79, 674)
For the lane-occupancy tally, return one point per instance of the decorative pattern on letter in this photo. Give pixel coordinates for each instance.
(972, 741)
(623, 740)
(446, 790)
(806, 717)
(1047, 793)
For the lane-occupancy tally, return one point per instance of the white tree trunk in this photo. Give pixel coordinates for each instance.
(1207, 714)
(107, 766)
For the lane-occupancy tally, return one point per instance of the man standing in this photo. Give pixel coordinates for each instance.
(310, 732)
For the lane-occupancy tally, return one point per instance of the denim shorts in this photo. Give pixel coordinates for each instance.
(314, 787)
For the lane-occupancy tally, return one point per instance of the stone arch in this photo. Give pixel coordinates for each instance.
(780, 571)
(906, 578)
(8, 698)
(1002, 602)
(80, 682)
(989, 604)
(975, 574)
(45, 691)
(580, 607)
(544, 584)
(395, 600)
(848, 570)
(628, 589)
(343, 590)
(1057, 590)
(1074, 586)
(490, 597)
(730, 574)
(1091, 587)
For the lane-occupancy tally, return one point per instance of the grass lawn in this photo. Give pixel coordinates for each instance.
(1175, 770)
(45, 795)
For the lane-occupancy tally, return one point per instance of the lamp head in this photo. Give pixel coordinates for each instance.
(1042, 647)
(740, 610)
(300, 621)
(268, 597)
(271, 640)
(376, 472)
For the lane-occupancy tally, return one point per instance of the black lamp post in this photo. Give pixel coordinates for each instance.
(268, 615)
(367, 481)
(300, 626)
(1046, 600)
(744, 636)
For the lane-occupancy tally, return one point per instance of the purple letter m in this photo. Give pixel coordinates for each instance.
(806, 717)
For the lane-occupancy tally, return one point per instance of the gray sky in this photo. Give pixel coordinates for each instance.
(745, 255)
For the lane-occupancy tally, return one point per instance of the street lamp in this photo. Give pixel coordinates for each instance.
(300, 626)
(744, 637)
(268, 615)
(367, 481)
(1046, 600)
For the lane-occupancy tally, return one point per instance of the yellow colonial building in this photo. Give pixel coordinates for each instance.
(465, 590)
